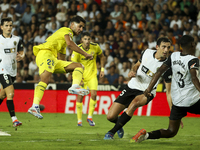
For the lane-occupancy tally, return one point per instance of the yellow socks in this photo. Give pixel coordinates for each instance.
(77, 75)
(39, 92)
(91, 107)
(79, 107)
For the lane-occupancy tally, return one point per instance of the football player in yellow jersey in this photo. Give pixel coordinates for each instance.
(89, 76)
(46, 59)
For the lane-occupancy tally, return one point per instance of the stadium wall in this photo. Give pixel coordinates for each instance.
(60, 101)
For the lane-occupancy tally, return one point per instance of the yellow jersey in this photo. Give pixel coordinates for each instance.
(56, 42)
(90, 67)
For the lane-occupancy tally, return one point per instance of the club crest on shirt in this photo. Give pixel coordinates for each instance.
(15, 43)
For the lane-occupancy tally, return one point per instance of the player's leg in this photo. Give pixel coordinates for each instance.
(46, 63)
(156, 134)
(138, 101)
(77, 75)
(92, 105)
(92, 84)
(2, 95)
(79, 107)
(176, 114)
(8, 90)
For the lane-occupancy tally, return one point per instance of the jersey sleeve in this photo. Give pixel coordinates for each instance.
(140, 60)
(20, 46)
(99, 51)
(168, 62)
(167, 76)
(194, 63)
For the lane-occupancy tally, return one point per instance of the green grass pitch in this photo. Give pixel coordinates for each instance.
(60, 132)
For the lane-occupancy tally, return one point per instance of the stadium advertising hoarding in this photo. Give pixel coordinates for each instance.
(60, 101)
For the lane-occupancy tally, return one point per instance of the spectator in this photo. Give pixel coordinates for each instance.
(26, 76)
(175, 20)
(122, 56)
(112, 77)
(104, 12)
(40, 38)
(113, 43)
(138, 12)
(33, 68)
(49, 24)
(93, 14)
(82, 12)
(4, 6)
(21, 7)
(108, 58)
(109, 29)
(126, 41)
(72, 11)
(151, 41)
(61, 15)
(11, 12)
(114, 15)
(26, 18)
(125, 70)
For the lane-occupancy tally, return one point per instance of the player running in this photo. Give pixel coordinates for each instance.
(132, 95)
(185, 89)
(11, 51)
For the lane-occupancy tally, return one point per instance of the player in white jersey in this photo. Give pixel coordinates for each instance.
(132, 95)
(11, 51)
(185, 89)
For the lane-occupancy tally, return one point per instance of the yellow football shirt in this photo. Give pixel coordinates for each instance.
(56, 42)
(89, 65)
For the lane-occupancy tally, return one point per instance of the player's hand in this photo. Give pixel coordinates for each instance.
(181, 124)
(89, 56)
(101, 74)
(19, 57)
(131, 74)
(147, 93)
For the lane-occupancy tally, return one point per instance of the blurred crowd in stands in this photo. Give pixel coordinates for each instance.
(122, 28)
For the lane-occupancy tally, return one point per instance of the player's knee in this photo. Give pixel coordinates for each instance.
(79, 65)
(10, 95)
(110, 117)
(171, 133)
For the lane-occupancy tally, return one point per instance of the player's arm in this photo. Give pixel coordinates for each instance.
(102, 61)
(193, 66)
(20, 51)
(75, 48)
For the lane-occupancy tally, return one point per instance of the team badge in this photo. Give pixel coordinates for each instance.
(49, 67)
(15, 43)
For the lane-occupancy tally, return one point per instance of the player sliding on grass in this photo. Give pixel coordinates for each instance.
(89, 75)
(185, 89)
(46, 59)
(132, 96)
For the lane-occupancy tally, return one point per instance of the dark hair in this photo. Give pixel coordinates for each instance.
(85, 34)
(186, 40)
(5, 20)
(77, 19)
(163, 39)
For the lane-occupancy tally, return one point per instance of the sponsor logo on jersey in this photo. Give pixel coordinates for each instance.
(147, 71)
(15, 43)
(11, 50)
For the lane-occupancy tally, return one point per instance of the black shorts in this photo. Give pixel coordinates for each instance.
(6, 80)
(127, 95)
(177, 113)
